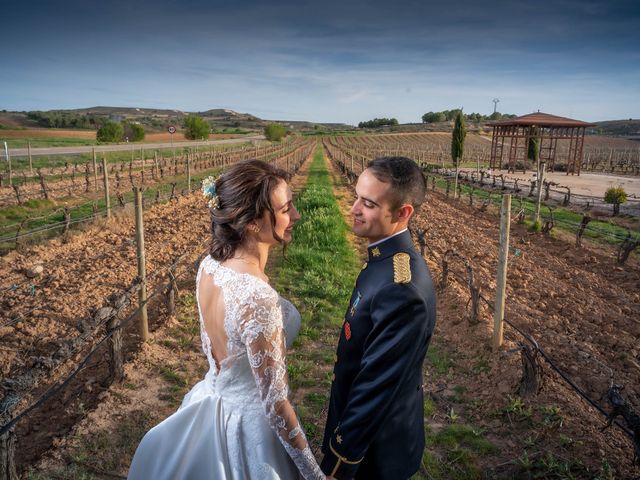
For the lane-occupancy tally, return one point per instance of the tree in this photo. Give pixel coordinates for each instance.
(195, 128)
(274, 132)
(378, 122)
(451, 114)
(110, 132)
(133, 131)
(533, 148)
(616, 196)
(457, 138)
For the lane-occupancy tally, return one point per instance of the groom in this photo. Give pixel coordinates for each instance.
(375, 425)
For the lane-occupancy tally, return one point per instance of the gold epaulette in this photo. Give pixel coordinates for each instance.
(401, 268)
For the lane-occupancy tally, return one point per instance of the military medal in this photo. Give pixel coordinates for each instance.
(355, 303)
(347, 330)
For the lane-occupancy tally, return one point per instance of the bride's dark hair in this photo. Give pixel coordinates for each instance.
(244, 194)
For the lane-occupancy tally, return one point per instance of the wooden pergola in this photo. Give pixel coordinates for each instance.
(549, 129)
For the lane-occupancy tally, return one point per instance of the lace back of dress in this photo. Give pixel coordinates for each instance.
(209, 267)
(254, 326)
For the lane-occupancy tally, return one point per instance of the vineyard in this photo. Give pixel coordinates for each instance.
(52, 199)
(601, 154)
(70, 307)
(578, 213)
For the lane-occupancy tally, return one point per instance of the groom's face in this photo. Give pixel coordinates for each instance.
(371, 211)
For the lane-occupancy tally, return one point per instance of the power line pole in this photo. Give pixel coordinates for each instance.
(495, 104)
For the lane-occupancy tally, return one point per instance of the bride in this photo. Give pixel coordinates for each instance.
(237, 423)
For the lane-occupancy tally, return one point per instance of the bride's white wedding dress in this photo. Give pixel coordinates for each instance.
(237, 423)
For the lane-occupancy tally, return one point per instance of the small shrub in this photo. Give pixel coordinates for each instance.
(535, 227)
(616, 196)
(110, 132)
(274, 132)
(195, 128)
(133, 131)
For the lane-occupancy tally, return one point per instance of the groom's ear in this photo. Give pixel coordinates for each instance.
(403, 213)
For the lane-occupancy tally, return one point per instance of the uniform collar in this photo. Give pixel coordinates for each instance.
(389, 246)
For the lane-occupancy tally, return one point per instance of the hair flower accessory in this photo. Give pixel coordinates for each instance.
(209, 191)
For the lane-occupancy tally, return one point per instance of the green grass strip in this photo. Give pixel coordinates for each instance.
(317, 274)
(320, 266)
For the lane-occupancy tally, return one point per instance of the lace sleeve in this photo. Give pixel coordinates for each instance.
(262, 333)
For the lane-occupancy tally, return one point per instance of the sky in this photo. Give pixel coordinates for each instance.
(324, 61)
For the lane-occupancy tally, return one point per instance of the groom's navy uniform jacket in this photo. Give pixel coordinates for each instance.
(375, 425)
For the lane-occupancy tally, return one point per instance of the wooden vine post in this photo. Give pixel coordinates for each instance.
(95, 169)
(105, 177)
(155, 163)
(501, 278)
(455, 185)
(116, 366)
(188, 173)
(30, 159)
(142, 275)
(10, 170)
(172, 288)
(539, 198)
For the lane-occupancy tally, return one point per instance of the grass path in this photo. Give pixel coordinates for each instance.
(317, 275)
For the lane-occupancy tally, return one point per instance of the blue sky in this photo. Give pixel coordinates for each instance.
(325, 61)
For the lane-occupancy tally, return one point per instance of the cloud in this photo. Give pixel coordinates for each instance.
(329, 61)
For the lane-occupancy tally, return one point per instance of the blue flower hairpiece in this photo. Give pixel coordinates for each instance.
(209, 191)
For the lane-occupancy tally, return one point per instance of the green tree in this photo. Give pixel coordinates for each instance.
(110, 132)
(457, 138)
(616, 196)
(195, 128)
(274, 132)
(133, 131)
(533, 148)
(378, 122)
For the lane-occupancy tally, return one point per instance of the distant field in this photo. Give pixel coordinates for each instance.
(50, 137)
(47, 133)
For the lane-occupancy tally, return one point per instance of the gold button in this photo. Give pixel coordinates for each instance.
(338, 439)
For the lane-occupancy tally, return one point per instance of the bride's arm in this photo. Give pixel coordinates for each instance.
(262, 333)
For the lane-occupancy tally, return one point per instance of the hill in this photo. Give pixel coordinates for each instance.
(153, 119)
(617, 128)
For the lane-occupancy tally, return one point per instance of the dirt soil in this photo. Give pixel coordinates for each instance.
(581, 308)
(47, 133)
(40, 316)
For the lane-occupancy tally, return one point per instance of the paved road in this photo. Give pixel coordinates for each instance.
(23, 152)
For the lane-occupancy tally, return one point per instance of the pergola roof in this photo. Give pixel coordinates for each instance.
(540, 119)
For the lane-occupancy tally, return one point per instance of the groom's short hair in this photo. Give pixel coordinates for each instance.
(407, 183)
